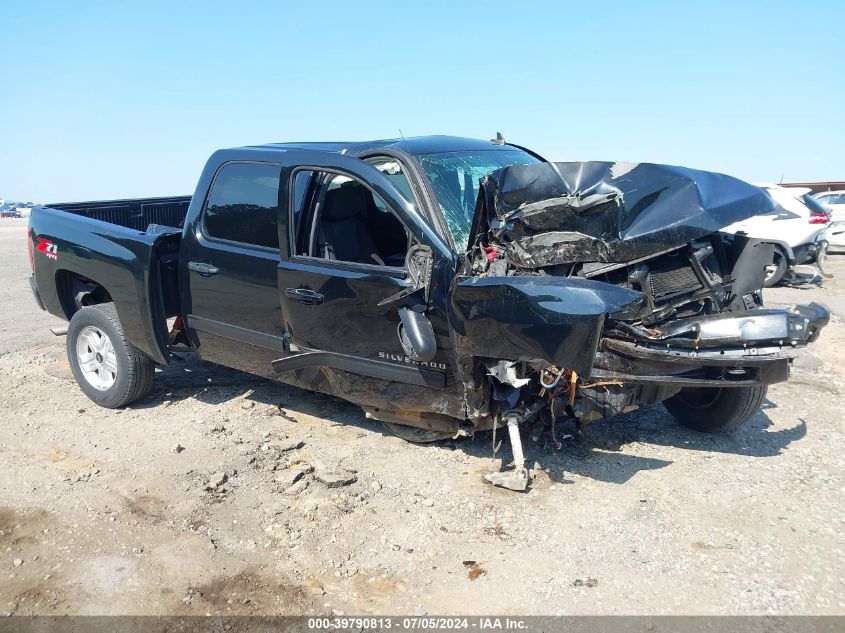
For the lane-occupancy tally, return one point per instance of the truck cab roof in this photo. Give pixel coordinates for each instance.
(417, 145)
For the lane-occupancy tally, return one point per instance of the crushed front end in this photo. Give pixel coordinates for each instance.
(593, 288)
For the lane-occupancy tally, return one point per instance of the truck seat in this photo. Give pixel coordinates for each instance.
(341, 232)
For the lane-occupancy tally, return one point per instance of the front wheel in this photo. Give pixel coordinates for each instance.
(715, 409)
(108, 369)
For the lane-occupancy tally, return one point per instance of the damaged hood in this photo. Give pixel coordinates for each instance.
(560, 213)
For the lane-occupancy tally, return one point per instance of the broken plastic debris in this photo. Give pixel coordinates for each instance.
(505, 372)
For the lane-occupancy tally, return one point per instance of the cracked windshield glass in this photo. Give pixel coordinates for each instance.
(455, 179)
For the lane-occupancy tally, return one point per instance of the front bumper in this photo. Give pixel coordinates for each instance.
(726, 350)
(810, 252)
(780, 326)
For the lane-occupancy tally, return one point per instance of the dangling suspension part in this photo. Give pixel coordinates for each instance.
(516, 479)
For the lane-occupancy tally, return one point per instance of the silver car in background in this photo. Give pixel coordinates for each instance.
(834, 203)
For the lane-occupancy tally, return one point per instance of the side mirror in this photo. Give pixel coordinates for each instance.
(416, 335)
(418, 263)
(415, 332)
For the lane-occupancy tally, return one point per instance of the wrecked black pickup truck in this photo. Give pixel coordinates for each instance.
(445, 285)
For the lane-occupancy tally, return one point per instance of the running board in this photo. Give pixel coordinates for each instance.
(365, 366)
(60, 330)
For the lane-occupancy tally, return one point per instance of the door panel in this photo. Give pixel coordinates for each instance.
(243, 291)
(349, 319)
(237, 306)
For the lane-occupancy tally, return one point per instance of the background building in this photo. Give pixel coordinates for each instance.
(817, 187)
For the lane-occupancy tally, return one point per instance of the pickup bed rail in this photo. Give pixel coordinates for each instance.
(136, 213)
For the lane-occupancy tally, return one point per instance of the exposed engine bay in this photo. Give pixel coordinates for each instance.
(590, 289)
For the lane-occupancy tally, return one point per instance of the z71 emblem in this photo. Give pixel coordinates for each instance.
(47, 247)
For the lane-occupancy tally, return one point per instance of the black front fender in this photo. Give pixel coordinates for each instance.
(558, 320)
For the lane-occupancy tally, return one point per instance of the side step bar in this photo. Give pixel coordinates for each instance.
(59, 330)
(356, 365)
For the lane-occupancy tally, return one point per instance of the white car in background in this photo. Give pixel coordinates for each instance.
(834, 202)
(797, 227)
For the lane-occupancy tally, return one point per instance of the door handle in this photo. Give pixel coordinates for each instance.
(206, 270)
(305, 296)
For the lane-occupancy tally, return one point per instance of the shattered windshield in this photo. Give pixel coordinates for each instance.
(454, 176)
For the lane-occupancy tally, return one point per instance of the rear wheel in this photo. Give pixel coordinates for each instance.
(107, 368)
(715, 409)
(777, 269)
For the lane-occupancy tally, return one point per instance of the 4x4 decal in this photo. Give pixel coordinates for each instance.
(50, 249)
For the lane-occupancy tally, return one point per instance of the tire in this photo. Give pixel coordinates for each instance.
(715, 409)
(780, 265)
(106, 367)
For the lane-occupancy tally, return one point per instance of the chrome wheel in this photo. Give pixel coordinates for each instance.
(96, 358)
(771, 269)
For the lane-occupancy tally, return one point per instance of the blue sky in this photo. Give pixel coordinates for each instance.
(103, 100)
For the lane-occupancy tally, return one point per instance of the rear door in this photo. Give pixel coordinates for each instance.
(231, 256)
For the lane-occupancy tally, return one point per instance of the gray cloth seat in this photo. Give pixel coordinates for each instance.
(342, 233)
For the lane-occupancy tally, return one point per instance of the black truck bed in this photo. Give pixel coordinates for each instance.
(110, 244)
(136, 213)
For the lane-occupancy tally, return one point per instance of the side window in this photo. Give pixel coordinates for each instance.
(243, 204)
(830, 199)
(337, 217)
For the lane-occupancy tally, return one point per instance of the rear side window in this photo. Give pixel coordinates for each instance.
(831, 198)
(243, 204)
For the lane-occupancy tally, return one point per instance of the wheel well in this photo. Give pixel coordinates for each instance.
(783, 247)
(76, 292)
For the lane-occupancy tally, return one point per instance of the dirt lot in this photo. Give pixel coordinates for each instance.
(99, 513)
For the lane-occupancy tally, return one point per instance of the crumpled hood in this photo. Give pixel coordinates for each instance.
(558, 213)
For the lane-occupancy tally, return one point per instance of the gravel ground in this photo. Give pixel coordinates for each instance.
(222, 493)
